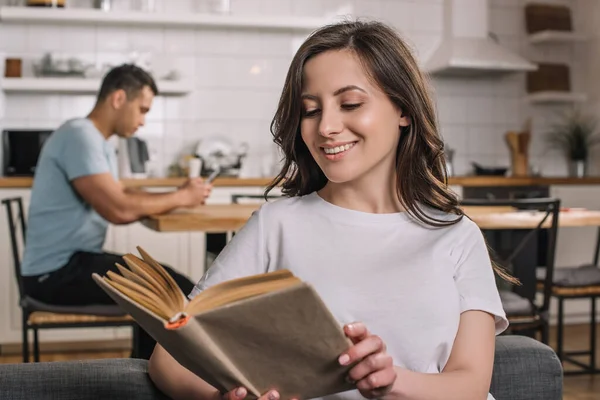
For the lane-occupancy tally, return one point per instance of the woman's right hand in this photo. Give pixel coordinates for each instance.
(240, 393)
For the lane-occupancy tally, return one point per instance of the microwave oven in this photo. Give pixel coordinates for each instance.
(21, 149)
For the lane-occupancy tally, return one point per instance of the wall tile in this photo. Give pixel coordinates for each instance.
(113, 39)
(43, 38)
(179, 41)
(13, 38)
(76, 39)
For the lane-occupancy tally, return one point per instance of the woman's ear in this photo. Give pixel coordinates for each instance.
(404, 119)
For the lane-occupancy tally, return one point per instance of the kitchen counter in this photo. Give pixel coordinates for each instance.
(24, 182)
(522, 181)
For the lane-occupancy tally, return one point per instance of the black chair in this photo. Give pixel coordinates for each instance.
(582, 282)
(513, 251)
(37, 315)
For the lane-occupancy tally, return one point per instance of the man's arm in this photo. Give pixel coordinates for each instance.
(120, 206)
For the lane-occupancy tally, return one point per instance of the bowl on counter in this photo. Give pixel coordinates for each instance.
(488, 170)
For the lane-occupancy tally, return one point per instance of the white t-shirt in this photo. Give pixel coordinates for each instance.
(406, 281)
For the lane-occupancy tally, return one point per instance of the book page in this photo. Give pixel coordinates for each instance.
(239, 289)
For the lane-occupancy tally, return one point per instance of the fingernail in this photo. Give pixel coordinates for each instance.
(273, 395)
(239, 392)
(350, 326)
(344, 358)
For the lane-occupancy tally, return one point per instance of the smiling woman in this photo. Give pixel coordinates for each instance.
(362, 88)
(371, 224)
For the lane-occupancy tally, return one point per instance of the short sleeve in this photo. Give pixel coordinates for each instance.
(242, 256)
(474, 276)
(84, 154)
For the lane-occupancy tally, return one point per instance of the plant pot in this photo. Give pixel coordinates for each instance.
(578, 168)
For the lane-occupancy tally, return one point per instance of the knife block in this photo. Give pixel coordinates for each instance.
(519, 164)
(518, 144)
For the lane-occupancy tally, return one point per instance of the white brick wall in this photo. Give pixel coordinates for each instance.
(229, 100)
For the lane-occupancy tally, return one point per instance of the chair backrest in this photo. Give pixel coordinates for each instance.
(549, 209)
(16, 221)
(597, 249)
(251, 198)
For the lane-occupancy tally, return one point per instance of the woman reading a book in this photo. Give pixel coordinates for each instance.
(370, 222)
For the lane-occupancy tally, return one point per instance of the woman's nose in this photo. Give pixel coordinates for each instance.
(330, 124)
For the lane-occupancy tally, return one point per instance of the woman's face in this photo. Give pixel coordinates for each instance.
(350, 126)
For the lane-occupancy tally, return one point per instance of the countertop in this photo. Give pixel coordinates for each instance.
(25, 182)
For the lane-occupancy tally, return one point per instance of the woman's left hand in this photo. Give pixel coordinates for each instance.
(374, 373)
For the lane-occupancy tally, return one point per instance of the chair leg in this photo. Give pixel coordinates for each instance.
(135, 341)
(545, 330)
(25, 344)
(593, 335)
(36, 346)
(559, 329)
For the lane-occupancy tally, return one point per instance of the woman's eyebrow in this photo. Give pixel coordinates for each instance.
(336, 93)
(348, 88)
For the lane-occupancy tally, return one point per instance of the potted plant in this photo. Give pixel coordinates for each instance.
(575, 135)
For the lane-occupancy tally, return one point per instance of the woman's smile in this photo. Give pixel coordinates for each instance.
(336, 151)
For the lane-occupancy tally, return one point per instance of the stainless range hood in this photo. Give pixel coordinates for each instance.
(467, 49)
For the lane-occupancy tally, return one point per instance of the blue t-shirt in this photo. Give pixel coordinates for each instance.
(60, 222)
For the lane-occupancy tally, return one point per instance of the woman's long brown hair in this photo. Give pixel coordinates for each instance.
(420, 162)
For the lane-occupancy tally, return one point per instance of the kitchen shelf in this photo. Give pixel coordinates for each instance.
(556, 37)
(556, 97)
(79, 85)
(84, 16)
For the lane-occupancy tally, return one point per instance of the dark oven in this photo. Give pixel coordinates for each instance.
(21, 149)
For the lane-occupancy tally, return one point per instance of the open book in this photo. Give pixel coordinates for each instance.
(264, 331)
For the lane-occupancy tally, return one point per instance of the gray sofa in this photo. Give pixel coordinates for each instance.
(524, 369)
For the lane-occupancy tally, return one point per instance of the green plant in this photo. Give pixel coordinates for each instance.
(575, 135)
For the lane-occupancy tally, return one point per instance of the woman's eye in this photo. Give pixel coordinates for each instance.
(311, 113)
(351, 106)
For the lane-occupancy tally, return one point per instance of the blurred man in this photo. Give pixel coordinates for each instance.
(76, 194)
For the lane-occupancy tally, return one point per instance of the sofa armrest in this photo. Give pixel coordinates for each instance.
(112, 379)
(525, 369)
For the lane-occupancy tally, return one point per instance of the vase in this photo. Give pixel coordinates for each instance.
(578, 168)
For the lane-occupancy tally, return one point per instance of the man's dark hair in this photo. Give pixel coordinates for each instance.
(128, 77)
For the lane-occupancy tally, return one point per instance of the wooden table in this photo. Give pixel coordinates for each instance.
(210, 218)
(503, 223)
(218, 218)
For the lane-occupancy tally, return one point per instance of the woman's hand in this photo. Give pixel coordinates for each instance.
(374, 373)
(240, 393)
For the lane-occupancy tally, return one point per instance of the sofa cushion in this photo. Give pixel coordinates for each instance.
(525, 369)
(112, 379)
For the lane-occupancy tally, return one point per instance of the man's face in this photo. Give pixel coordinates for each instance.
(131, 113)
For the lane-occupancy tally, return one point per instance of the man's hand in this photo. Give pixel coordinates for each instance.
(195, 192)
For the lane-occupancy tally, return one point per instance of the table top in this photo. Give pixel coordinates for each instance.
(216, 218)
